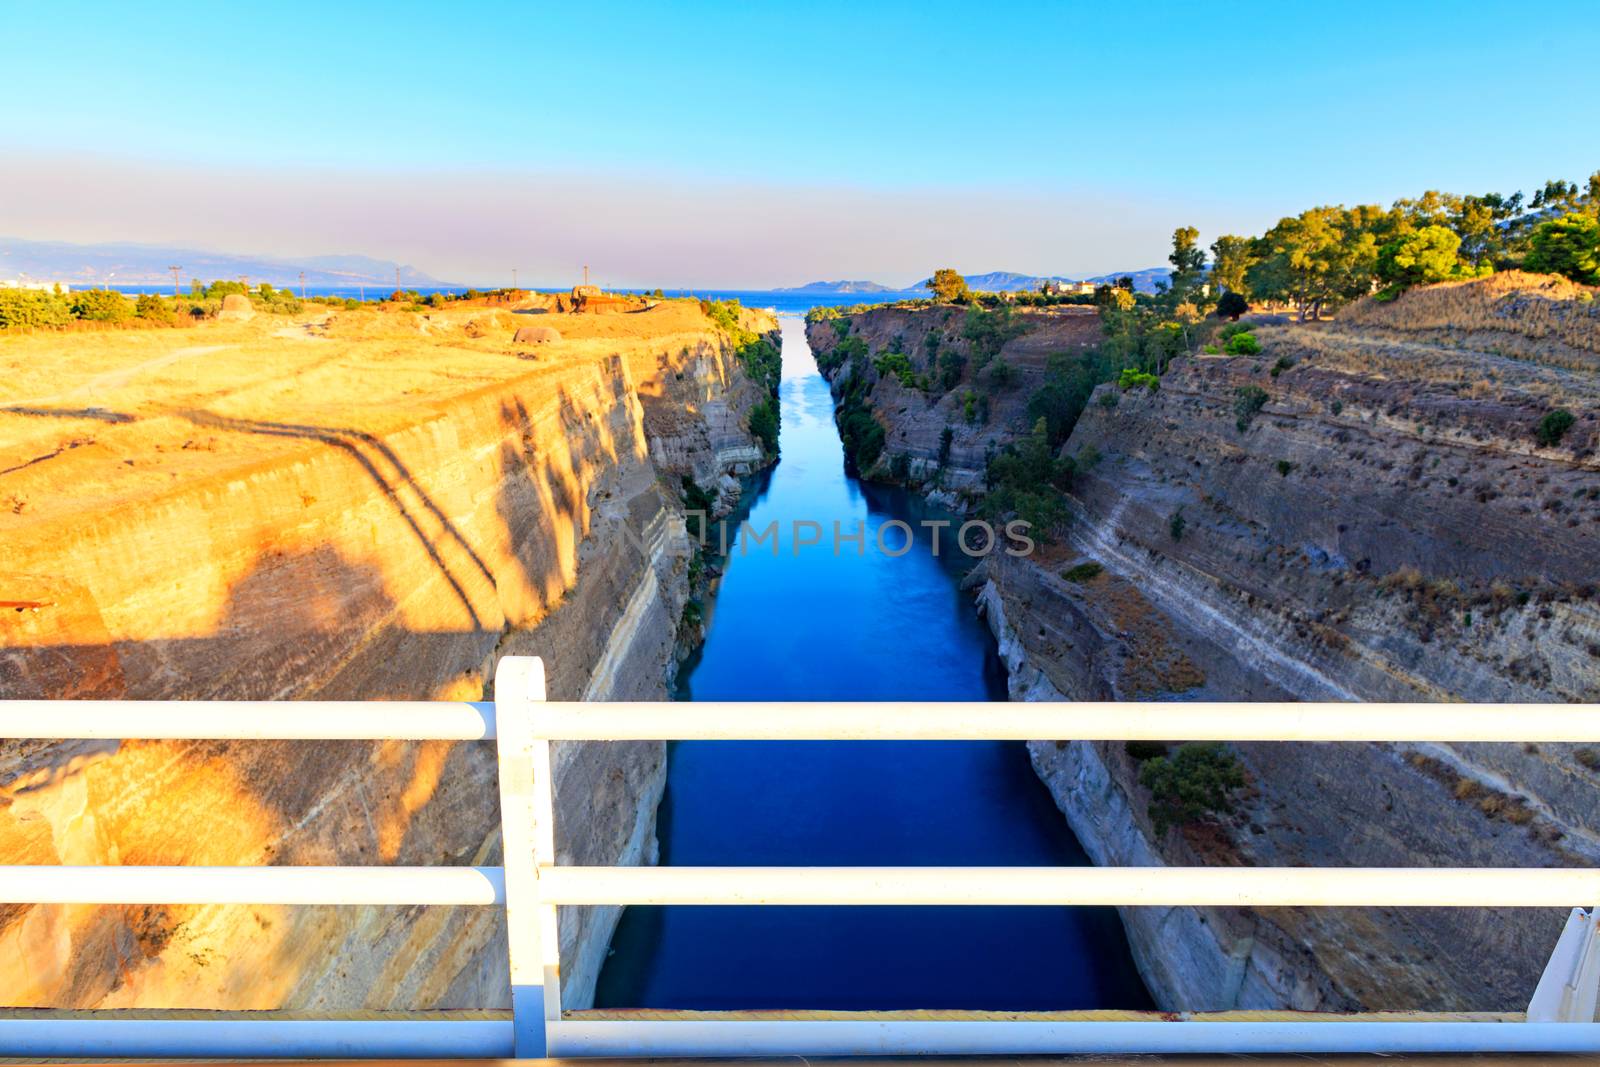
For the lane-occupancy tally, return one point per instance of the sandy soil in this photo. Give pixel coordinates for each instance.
(90, 420)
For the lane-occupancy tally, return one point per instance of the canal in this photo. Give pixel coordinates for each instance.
(813, 623)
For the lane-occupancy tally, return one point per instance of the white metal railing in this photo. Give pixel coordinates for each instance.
(531, 886)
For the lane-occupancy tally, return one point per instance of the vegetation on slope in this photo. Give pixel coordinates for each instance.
(761, 360)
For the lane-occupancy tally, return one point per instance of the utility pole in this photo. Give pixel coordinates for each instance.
(513, 277)
(175, 271)
(302, 285)
(586, 274)
(397, 278)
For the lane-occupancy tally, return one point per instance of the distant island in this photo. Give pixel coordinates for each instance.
(840, 287)
(139, 264)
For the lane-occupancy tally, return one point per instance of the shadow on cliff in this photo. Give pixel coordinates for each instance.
(544, 497)
(308, 624)
(386, 470)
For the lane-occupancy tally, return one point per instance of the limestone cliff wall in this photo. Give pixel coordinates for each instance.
(1384, 525)
(532, 510)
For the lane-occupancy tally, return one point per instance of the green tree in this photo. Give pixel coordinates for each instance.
(1196, 781)
(1188, 261)
(152, 307)
(1318, 259)
(100, 305)
(1231, 257)
(1431, 254)
(948, 286)
(1232, 305)
(1569, 246)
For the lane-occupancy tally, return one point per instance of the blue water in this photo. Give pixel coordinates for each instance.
(816, 626)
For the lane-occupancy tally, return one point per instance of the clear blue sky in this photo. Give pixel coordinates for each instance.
(759, 143)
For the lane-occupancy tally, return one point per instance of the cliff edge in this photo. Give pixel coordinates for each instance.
(365, 504)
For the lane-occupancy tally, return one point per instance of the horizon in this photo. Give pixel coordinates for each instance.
(757, 149)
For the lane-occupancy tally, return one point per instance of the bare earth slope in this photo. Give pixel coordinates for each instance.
(363, 505)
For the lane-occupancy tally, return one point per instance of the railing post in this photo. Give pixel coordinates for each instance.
(1570, 985)
(527, 840)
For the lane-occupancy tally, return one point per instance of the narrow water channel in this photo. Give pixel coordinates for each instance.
(867, 627)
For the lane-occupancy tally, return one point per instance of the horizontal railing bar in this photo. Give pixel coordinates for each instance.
(903, 721)
(277, 1039)
(322, 720)
(248, 720)
(456, 886)
(717, 1039)
(1136, 886)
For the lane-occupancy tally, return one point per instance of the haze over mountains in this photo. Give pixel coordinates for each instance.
(141, 264)
(998, 281)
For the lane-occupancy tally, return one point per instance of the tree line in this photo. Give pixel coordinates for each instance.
(1328, 256)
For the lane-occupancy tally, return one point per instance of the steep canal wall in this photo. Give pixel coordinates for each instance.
(403, 498)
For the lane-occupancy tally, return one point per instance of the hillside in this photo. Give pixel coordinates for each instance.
(138, 264)
(366, 504)
(1368, 511)
(839, 287)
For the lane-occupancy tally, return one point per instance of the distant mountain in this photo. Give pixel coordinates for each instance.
(839, 287)
(999, 281)
(1144, 281)
(137, 264)
(1004, 281)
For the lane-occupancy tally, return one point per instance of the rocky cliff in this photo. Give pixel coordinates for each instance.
(1363, 511)
(362, 505)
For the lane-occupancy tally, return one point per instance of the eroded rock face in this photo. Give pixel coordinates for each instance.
(391, 549)
(1382, 525)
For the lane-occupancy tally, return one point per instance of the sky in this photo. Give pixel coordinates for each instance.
(752, 144)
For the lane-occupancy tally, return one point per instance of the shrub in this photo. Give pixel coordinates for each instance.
(846, 350)
(1336, 407)
(1025, 479)
(698, 499)
(1232, 305)
(1144, 750)
(900, 467)
(1553, 427)
(1176, 524)
(1284, 467)
(951, 364)
(28, 309)
(1137, 379)
(863, 437)
(153, 308)
(1002, 375)
(764, 423)
(1196, 782)
(947, 437)
(1083, 572)
(1283, 364)
(1248, 400)
(1243, 344)
(100, 305)
(897, 364)
(988, 332)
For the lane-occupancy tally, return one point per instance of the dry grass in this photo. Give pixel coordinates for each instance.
(1466, 363)
(1540, 317)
